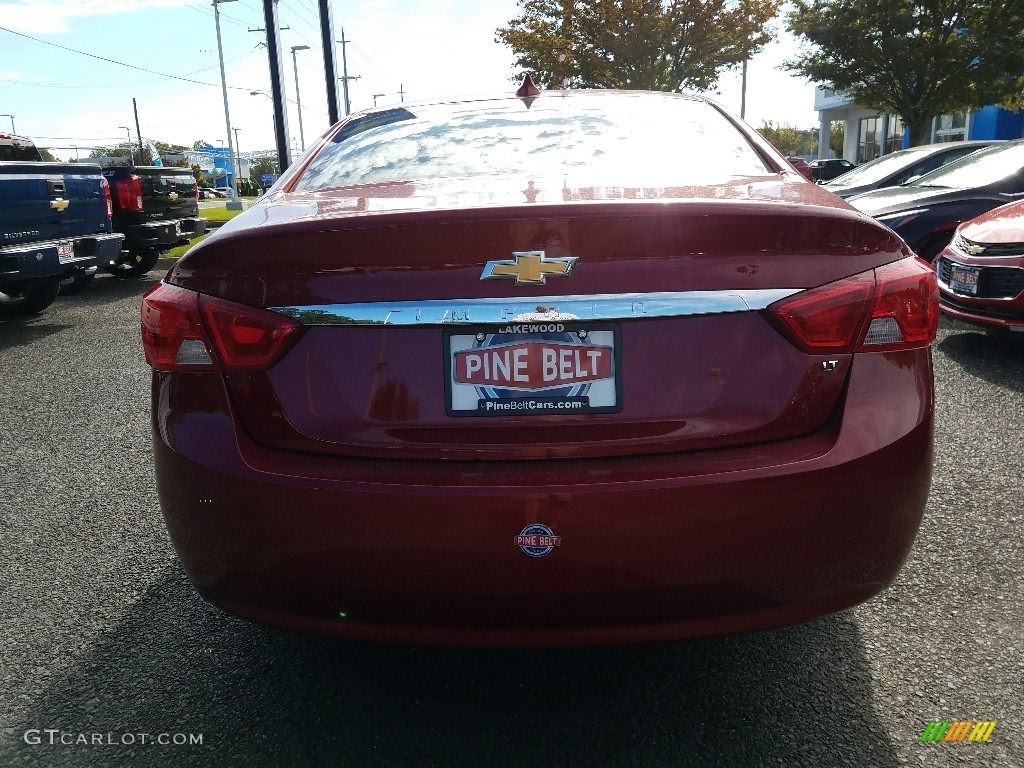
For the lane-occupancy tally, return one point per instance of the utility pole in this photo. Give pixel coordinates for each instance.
(131, 153)
(238, 155)
(138, 133)
(14, 130)
(298, 98)
(234, 204)
(330, 59)
(273, 29)
(743, 93)
(401, 92)
(344, 72)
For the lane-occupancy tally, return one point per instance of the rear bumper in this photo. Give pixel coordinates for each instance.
(163, 234)
(43, 262)
(651, 548)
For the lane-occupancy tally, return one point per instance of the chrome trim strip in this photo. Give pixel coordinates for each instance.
(537, 308)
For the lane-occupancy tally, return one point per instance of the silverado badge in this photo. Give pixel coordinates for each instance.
(531, 267)
(172, 196)
(59, 204)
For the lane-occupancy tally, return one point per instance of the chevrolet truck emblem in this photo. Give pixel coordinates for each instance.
(172, 196)
(529, 267)
(59, 204)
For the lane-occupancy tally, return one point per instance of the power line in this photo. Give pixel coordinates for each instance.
(116, 85)
(120, 63)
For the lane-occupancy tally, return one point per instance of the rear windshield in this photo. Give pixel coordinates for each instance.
(644, 139)
(15, 149)
(879, 168)
(166, 181)
(986, 166)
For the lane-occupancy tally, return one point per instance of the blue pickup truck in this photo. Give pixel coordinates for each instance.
(55, 226)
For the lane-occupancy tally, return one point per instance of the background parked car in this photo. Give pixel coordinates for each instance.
(981, 271)
(830, 168)
(618, 432)
(801, 165)
(926, 212)
(210, 192)
(901, 166)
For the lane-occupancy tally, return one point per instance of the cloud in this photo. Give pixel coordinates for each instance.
(53, 16)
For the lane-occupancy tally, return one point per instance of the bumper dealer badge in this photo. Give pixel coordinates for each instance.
(537, 540)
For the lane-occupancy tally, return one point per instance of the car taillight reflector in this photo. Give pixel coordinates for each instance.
(172, 330)
(895, 306)
(184, 331)
(906, 306)
(106, 197)
(247, 338)
(129, 193)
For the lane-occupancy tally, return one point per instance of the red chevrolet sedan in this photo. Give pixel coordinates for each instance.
(981, 272)
(549, 369)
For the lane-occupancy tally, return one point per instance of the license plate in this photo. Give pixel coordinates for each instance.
(963, 279)
(65, 251)
(533, 369)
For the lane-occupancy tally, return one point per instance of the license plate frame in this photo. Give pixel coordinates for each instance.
(587, 372)
(65, 251)
(964, 279)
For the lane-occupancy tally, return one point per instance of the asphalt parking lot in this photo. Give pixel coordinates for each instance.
(103, 636)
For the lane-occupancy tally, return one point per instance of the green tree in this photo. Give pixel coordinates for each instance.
(837, 137)
(640, 44)
(789, 140)
(914, 58)
(46, 155)
(259, 166)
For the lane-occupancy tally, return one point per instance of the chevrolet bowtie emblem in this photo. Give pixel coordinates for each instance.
(173, 196)
(59, 204)
(531, 267)
(974, 250)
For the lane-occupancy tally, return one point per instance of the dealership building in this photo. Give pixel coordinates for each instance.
(869, 134)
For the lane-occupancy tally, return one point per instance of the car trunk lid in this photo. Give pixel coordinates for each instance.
(656, 327)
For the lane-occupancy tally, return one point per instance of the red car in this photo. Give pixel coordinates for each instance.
(805, 168)
(537, 371)
(981, 272)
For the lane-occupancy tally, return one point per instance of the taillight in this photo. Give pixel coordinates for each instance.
(184, 331)
(895, 306)
(906, 310)
(129, 193)
(106, 196)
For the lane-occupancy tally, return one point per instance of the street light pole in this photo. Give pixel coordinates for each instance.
(298, 98)
(12, 122)
(238, 157)
(234, 204)
(375, 96)
(131, 155)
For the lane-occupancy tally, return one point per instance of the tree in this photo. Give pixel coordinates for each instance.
(639, 44)
(837, 137)
(914, 58)
(789, 140)
(262, 165)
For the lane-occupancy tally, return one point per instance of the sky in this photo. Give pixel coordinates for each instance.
(70, 69)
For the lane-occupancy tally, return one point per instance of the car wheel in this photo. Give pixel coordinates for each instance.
(76, 284)
(28, 301)
(137, 263)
